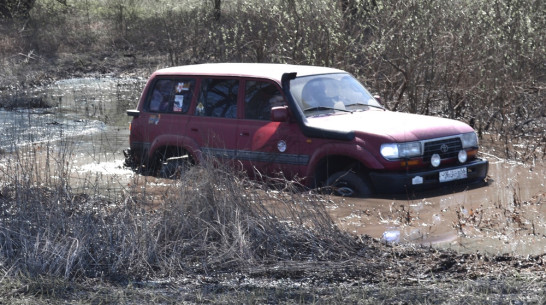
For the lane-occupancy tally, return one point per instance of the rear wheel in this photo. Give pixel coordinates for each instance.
(170, 162)
(174, 167)
(348, 184)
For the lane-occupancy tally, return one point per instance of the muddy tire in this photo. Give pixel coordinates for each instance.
(174, 168)
(348, 184)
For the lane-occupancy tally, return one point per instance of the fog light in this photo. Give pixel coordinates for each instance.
(435, 160)
(462, 156)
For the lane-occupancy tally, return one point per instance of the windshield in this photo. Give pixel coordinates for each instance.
(341, 92)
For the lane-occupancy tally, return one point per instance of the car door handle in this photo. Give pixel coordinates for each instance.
(245, 133)
(194, 129)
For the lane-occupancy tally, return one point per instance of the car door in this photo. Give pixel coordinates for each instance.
(165, 110)
(214, 122)
(263, 146)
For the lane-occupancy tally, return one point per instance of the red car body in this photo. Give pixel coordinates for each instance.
(314, 123)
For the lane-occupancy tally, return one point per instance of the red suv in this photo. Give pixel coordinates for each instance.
(315, 123)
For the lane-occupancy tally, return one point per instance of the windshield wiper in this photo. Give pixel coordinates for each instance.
(368, 105)
(324, 108)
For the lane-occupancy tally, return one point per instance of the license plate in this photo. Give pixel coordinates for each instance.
(454, 174)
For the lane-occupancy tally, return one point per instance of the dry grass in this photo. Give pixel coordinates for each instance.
(215, 236)
(211, 221)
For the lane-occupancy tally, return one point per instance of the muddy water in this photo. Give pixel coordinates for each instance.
(86, 108)
(508, 215)
(88, 121)
(87, 124)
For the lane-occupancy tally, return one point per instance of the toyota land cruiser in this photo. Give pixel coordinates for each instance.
(316, 123)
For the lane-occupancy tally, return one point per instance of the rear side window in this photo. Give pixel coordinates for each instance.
(171, 95)
(260, 97)
(218, 98)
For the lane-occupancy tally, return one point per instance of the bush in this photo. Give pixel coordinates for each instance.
(479, 61)
(209, 222)
(15, 9)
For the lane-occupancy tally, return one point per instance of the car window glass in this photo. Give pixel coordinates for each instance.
(260, 97)
(218, 98)
(171, 95)
(336, 92)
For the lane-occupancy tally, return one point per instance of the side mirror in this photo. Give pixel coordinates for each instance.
(279, 114)
(378, 98)
(133, 112)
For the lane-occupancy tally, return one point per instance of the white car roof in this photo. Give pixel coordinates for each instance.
(258, 70)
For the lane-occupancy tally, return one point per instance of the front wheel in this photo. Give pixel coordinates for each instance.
(348, 184)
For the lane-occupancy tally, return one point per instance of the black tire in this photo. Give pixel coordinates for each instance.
(348, 184)
(174, 168)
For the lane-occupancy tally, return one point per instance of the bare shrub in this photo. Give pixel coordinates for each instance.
(481, 62)
(210, 221)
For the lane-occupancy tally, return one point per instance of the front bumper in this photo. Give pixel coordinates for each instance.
(388, 182)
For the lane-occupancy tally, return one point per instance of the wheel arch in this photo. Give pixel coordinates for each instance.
(167, 146)
(331, 164)
(354, 158)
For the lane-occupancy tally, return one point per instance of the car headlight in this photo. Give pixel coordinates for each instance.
(469, 140)
(400, 150)
(389, 151)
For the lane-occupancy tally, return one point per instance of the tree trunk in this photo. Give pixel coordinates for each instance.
(217, 12)
(15, 9)
(354, 9)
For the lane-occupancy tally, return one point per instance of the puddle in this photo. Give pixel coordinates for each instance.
(83, 108)
(103, 99)
(506, 216)
(89, 121)
(24, 127)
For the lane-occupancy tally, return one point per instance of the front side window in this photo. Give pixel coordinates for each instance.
(171, 95)
(260, 97)
(337, 92)
(218, 98)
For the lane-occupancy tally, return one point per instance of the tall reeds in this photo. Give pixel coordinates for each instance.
(210, 221)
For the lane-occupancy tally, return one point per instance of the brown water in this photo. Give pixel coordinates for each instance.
(89, 123)
(86, 125)
(506, 216)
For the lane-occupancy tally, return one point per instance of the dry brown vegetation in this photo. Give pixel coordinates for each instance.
(225, 237)
(479, 61)
(215, 236)
(209, 222)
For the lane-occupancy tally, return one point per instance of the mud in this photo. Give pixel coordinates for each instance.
(87, 118)
(506, 216)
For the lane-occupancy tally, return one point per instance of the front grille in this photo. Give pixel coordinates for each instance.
(446, 148)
